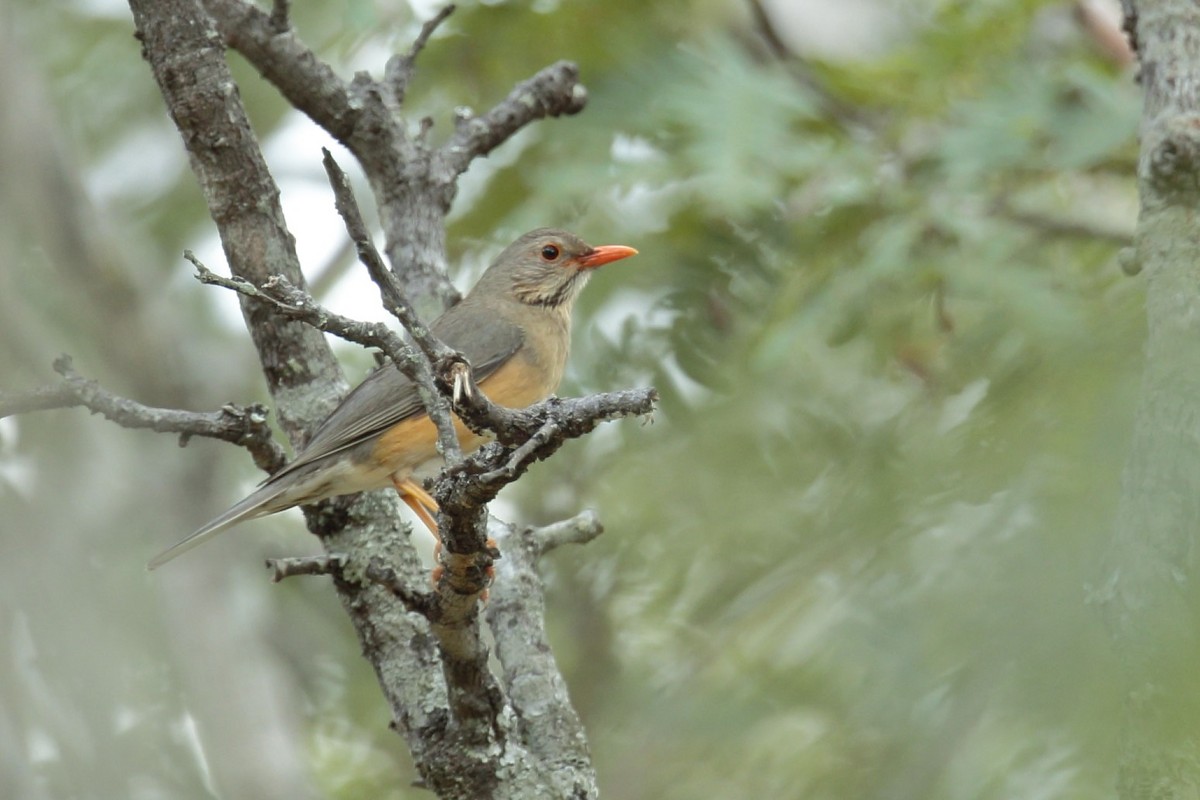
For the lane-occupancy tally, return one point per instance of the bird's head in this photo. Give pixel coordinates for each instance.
(547, 268)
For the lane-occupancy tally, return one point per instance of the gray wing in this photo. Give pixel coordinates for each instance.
(387, 397)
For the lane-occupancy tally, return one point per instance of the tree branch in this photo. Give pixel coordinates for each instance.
(474, 697)
(42, 398)
(399, 70)
(280, 16)
(244, 426)
(579, 529)
(390, 290)
(552, 92)
(1149, 580)
(524, 436)
(308, 83)
(546, 720)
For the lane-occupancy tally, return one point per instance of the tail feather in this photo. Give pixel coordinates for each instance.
(257, 504)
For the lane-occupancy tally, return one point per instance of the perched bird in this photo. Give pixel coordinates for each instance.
(514, 327)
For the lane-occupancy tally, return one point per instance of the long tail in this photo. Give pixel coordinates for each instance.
(257, 504)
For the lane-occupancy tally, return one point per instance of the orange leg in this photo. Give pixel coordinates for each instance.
(424, 506)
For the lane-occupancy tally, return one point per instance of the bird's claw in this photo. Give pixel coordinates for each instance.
(460, 378)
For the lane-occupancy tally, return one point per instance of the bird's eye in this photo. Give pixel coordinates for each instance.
(550, 252)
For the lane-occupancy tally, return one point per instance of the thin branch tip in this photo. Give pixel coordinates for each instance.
(579, 529)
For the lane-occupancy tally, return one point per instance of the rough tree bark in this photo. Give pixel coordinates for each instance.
(473, 732)
(1149, 591)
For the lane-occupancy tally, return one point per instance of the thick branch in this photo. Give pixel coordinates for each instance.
(308, 83)
(244, 426)
(1149, 589)
(546, 719)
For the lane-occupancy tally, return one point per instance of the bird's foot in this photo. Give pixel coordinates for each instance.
(463, 570)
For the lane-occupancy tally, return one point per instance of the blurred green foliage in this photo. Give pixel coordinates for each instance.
(897, 358)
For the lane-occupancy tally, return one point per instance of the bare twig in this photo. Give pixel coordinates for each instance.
(244, 426)
(579, 529)
(552, 92)
(521, 456)
(42, 398)
(535, 433)
(390, 290)
(399, 69)
(328, 564)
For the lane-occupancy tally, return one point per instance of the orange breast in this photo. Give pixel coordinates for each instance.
(516, 384)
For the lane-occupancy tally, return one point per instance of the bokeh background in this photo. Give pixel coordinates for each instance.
(879, 293)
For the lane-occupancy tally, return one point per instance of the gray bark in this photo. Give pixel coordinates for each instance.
(1149, 591)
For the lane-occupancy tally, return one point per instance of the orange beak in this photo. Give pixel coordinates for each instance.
(604, 254)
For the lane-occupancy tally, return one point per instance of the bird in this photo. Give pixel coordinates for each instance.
(513, 327)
